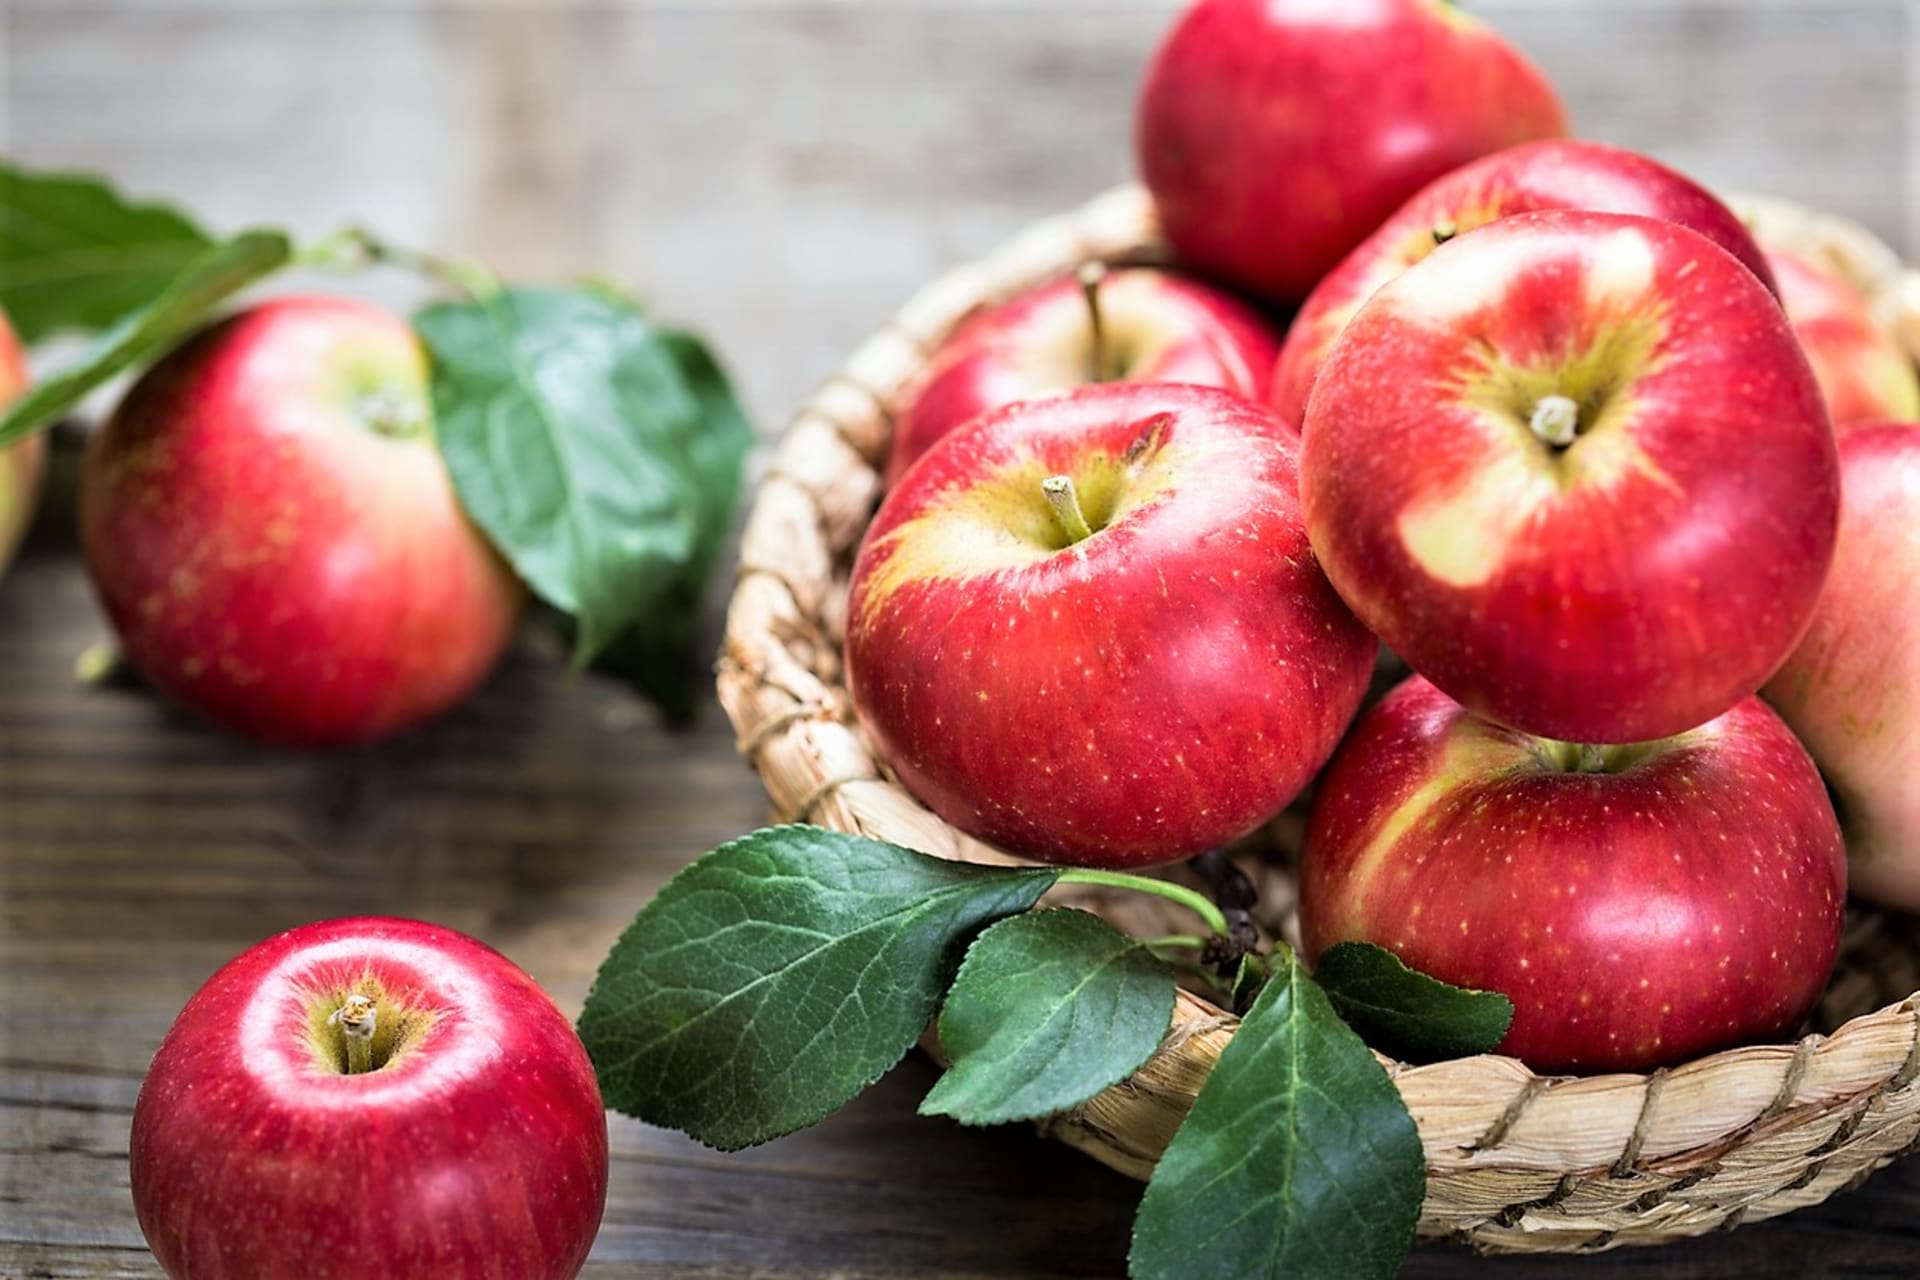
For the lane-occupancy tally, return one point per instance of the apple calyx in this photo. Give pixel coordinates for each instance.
(1555, 420)
(1092, 274)
(1067, 512)
(357, 1017)
(392, 415)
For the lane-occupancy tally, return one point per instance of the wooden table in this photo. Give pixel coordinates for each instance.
(780, 175)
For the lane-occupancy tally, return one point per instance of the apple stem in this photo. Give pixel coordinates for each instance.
(356, 1018)
(352, 248)
(1065, 501)
(1444, 231)
(1556, 420)
(1191, 899)
(1091, 276)
(395, 417)
(1593, 759)
(1181, 941)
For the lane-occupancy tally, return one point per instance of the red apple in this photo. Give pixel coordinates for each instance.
(1640, 905)
(1125, 325)
(1573, 467)
(370, 1098)
(22, 462)
(1864, 372)
(1275, 134)
(1852, 688)
(274, 535)
(1539, 175)
(1144, 665)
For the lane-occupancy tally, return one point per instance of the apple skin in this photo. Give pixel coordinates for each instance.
(1852, 688)
(1629, 586)
(1276, 134)
(269, 557)
(479, 1149)
(1864, 372)
(1150, 692)
(1553, 174)
(1683, 897)
(23, 462)
(1158, 328)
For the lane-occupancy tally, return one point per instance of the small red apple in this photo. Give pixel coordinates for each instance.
(22, 462)
(370, 1098)
(275, 537)
(1573, 467)
(1864, 372)
(1640, 905)
(1276, 134)
(1130, 324)
(1090, 629)
(1554, 174)
(1852, 688)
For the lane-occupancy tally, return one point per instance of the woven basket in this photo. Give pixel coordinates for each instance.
(1516, 1162)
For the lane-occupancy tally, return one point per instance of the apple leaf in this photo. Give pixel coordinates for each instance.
(1048, 1009)
(212, 277)
(774, 979)
(1406, 1014)
(600, 455)
(1298, 1160)
(74, 254)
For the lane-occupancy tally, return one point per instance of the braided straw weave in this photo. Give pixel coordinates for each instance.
(1515, 1162)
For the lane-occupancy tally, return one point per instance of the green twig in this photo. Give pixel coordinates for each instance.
(1196, 902)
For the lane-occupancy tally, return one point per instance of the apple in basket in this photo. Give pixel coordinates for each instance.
(1128, 324)
(1640, 904)
(370, 1097)
(1090, 629)
(1852, 688)
(1864, 372)
(1275, 134)
(1573, 467)
(1554, 174)
(22, 462)
(276, 539)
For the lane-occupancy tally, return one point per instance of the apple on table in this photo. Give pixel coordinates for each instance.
(274, 535)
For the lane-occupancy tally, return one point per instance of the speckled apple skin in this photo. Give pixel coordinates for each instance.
(1690, 902)
(1276, 134)
(1852, 688)
(1631, 586)
(1865, 374)
(1163, 329)
(267, 558)
(1550, 174)
(1150, 692)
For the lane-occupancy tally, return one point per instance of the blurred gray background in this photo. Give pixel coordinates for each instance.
(781, 175)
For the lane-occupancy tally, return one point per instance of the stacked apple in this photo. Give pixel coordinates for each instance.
(1542, 426)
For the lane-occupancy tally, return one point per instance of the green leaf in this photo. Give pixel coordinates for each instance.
(1048, 1009)
(600, 455)
(209, 280)
(1298, 1160)
(75, 255)
(780, 975)
(1248, 979)
(1404, 1013)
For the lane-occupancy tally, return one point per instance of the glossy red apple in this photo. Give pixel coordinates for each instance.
(1276, 134)
(1573, 467)
(1852, 688)
(22, 462)
(1130, 324)
(1090, 629)
(1864, 372)
(1555, 174)
(370, 1098)
(275, 537)
(1640, 905)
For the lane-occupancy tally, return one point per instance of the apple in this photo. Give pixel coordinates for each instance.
(1573, 467)
(1640, 905)
(1864, 372)
(1276, 134)
(1130, 324)
(274, 535)
(1090, 629)
(370, 1097)
(1554, 174)
(1852, 688)
(23, 461)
